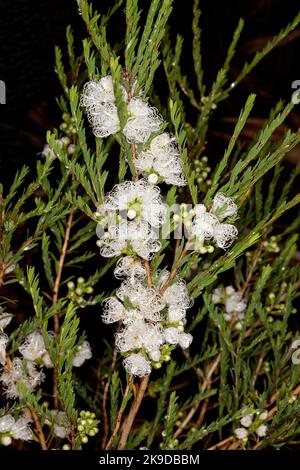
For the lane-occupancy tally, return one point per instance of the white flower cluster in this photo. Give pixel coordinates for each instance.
(153, 323)
(161, 161)
(14, 429)
(28, 369)
(251, 424)
(210, 226)
(129, 223)
(234, 304)
(130, 219)
(64, 143)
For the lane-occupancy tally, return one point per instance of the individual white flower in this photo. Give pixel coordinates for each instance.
(241, 433)
(136, 364)
(261, 430)
(177, 295)
(99, 100)
(6, 423)
(263, 415)
(224, 235)
(204, 223)
(161, 161)
(130, 268)
(142, 122)
(98, 92)
(105, 120)
(113, 310)
(33, 349)
(3, 344)
(5, 319)
(21, 429)
(223, 206)
(247, 420)
(84, 353)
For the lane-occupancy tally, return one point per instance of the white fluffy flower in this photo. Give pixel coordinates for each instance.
(130, 268)
(130, 220)
(261, 430)
(140, 335)
(98, 92)
(6, 423)
(20, 372)
(241, 433)
(223, 206)
(105, 120)
(143, 120)
(84, 353)
(21, 429)
(224, 235)
(174, 336)
(141, 199)
(33, 349)
(162, 160)
(136, 364)
(3, 344)
(209, 226)
(247, 420)
(99, 100)
(144, 299)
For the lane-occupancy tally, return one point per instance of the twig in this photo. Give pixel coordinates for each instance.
(55, 298)
(133, 411)
(105, 394)
(39, 429)
(119, 417)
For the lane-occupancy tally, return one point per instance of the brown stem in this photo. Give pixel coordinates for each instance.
(55, 298)
(38, 428)
(119, 418)
(149, 274)
(133, 411)
(206, 384)
(221, 443)
(105, 395)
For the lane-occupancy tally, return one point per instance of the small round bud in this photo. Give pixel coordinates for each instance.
(84, 439)
(6, 440)
(152, 178)
(71, 285)
(66, 447)
(131, 214)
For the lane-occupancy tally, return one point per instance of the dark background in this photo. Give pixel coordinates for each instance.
(30, 29)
